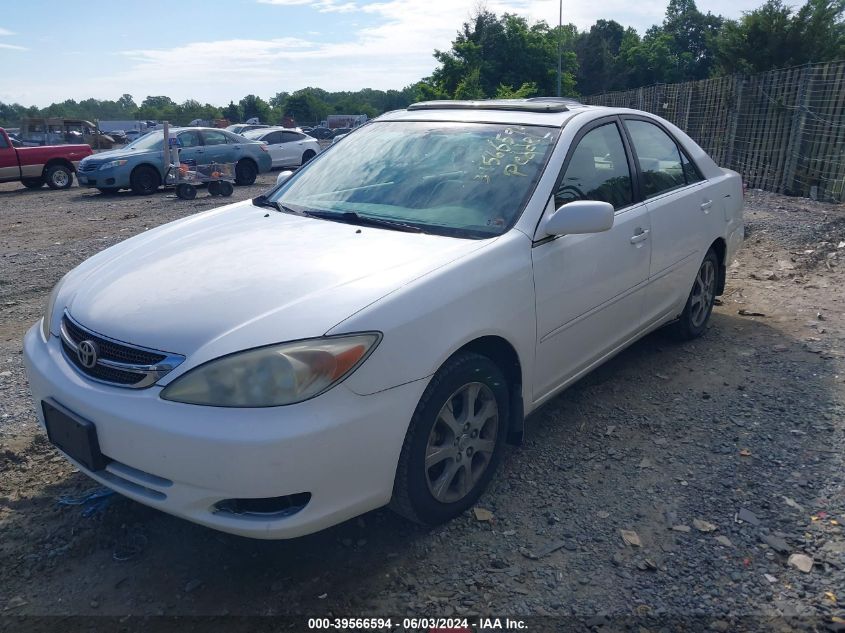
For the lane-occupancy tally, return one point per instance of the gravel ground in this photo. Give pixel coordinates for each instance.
(724, 456)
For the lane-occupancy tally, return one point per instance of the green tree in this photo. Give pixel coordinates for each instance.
(254, 107)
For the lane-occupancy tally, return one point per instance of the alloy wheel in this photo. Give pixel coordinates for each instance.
(461, 443)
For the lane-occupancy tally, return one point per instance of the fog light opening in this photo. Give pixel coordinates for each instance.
(268, 507)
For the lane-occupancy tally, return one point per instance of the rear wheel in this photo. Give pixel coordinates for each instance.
(33, 183)
(58, 177)
(454, 441)
(699, 306)
(145, 180)
(245, 172)
(226, 188)
(214, 188)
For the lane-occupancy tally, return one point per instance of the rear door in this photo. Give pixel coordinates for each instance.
(680, 208)
(291, 149)
(8, 161)
(590, 288)
(217, 148)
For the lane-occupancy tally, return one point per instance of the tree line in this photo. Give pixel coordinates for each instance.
(506, 56)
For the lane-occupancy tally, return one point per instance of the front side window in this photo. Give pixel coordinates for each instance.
(659, 158)
(3, 143)
(467, 180)
(597, 170)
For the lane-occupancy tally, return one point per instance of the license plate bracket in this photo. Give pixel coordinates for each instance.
(73, 435)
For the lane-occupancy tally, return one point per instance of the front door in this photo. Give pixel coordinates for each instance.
(590, 288)
(8, 161)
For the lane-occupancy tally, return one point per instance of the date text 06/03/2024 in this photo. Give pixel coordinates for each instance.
(429, 625)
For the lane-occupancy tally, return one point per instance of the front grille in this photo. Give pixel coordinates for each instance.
(89, 166)
(110, 350)
(117, 363)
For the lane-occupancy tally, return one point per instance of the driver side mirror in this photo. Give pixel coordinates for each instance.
(581, 216)
(283, 176)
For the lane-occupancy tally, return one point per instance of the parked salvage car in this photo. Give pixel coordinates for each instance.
(375, 328)
(287, 148)
(240, 128)
(53, 165)
(140, 165)
(320, 133)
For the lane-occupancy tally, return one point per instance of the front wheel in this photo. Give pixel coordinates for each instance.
(145, 180)
(245, 172)
(699, 306)
(454, 441)
(58, 177)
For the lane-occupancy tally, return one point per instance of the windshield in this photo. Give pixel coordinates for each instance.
(461, 179)
(153, 140)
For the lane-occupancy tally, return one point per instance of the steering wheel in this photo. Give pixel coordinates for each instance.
(569, 193)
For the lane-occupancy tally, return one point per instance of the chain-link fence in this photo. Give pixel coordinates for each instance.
(783, 130)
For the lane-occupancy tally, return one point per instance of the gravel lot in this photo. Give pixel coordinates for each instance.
(724, 456)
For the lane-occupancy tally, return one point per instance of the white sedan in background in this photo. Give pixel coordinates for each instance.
(287, 148)
(377, 326)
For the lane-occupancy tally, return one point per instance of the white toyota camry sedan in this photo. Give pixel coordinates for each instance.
(376, 327)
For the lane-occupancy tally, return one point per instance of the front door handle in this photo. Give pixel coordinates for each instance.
(640, 235)
(706, 205)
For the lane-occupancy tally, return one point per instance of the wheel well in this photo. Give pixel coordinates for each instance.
(721, 248)
(137, 167)
(247, 159)
(502, 353)
(58, 161)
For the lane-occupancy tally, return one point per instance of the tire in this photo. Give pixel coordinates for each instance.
(145, 180)
(246, 172)
(108, 191)
(441, 491)
(702, 296)
(33, 183)
(226, 188)
(214, 188)
(186, 191)
(308, 156)
(58, 177)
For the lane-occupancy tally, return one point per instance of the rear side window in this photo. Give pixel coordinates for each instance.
(658, 156)
(215, 138)
(289, 137)
(691, 172)
(597, 170)
(3, 143)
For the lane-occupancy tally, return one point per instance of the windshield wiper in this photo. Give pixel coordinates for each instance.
(264, 201)
(353, 217)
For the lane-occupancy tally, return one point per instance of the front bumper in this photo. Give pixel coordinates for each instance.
(113, 177)
(340, 447)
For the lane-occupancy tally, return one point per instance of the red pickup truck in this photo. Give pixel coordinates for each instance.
(34, 166)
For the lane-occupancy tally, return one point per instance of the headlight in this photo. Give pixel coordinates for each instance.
(114, 163)
(48, 310)
(275, 375)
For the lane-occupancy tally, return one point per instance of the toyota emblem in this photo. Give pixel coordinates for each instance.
(87, 353)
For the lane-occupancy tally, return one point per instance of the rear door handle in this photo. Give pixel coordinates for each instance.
(641, 235)
(706, 205)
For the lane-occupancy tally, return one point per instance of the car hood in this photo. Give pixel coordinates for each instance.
(243, 276)
(114, 154)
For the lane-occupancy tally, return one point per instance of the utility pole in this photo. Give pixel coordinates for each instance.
(559, 50)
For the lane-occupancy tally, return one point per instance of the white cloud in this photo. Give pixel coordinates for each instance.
(6, 31)
(12, 47)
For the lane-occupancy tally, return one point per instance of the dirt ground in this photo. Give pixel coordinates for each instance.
(724, 455)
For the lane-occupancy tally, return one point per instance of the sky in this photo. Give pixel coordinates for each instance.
(220, 50)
